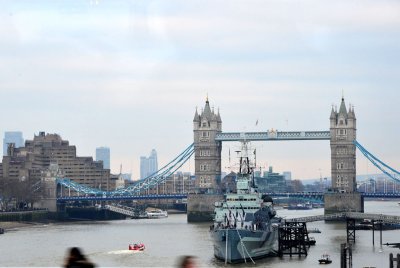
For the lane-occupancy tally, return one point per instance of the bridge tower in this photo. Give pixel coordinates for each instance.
(343, 151)
(344, 196)
(49, 187)
(207, 151)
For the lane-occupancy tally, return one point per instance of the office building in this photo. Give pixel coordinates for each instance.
(103, 154)
(148, 165)
(12, 137)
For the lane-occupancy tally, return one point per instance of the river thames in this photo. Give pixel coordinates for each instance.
(106, 243)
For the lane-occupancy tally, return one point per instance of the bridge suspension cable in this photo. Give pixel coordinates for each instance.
(157, 177)
(378, 163)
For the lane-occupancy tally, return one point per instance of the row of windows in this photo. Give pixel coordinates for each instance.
(205, 134)
(342, 181)
(341, 131)
(342, 184)
(205, 185)
(341, 165)
(341, 150)
(204, 179)
(204, 167)
(241, 199)
(205, 153)
(237, 208)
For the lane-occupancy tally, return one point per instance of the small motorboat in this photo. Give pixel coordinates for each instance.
(325, 259)
(137, 247)
(313, 230)
(156, 214)
(311, 241)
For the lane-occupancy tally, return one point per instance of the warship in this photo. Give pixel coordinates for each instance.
(245, 224)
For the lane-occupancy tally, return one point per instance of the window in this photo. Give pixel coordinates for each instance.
(205, 153)
(205, 134)
(340, 165)
(204, 167)
(341, 150)
(341, 131)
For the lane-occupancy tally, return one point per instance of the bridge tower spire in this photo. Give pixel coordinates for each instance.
(343, 151)
(207, 155)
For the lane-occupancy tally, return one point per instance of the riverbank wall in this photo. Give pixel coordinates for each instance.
(67, 215)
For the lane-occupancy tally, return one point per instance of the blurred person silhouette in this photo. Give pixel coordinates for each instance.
(76, 259)
(187, 262)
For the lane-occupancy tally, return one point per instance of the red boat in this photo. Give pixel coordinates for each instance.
(137, 247)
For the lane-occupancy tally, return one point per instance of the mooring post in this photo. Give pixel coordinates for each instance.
(373, 232)
(398, 261)
(380, 230)
(391, 260)
(343, 257)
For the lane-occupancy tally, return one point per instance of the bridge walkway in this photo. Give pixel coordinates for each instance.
(348, 215)
(128, 211)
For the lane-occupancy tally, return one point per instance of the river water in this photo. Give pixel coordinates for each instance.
(106, 243)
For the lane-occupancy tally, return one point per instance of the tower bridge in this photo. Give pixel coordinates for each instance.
(208, 138)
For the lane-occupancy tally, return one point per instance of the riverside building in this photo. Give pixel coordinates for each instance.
(28, 162)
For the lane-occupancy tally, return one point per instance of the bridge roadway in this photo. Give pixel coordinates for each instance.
(320, 195)
(313, 195)
(120, 197)
(348, 215)
(273, 135)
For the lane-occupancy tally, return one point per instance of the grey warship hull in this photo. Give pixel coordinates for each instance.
(239, 245)
(245, 226)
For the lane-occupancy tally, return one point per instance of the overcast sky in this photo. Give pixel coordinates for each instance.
(130, 74)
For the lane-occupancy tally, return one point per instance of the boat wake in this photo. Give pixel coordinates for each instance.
(123, 252)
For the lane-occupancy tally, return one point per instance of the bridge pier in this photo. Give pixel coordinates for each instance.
(200, 207)
(343, 202)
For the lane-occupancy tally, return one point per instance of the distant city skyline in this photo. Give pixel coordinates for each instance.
(130, 74)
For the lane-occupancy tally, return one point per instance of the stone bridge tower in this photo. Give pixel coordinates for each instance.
(207, 151)
(343, 151)
(344, 196)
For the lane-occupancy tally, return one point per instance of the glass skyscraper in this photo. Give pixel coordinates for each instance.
(12, 137)
(103, 154)
(148, 165)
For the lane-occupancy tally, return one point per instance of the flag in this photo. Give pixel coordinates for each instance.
(257, 122)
